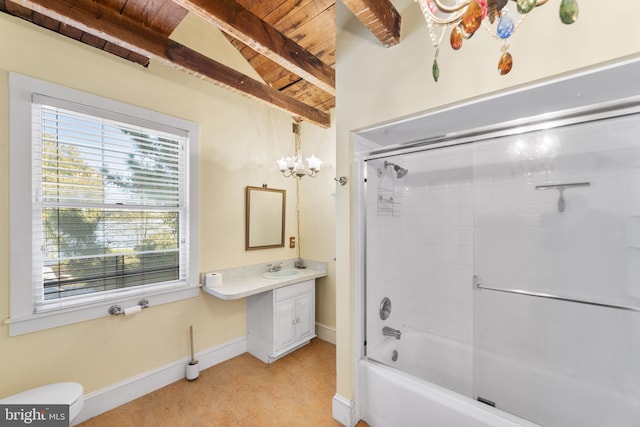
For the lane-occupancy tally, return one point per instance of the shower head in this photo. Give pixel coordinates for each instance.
(400, 171)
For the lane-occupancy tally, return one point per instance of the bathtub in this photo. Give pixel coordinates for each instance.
(394, 393)
(391, 398)
(430, 384)
(442, 361)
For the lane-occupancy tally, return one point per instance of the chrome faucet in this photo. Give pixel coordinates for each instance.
(390, 332)
(272, 268)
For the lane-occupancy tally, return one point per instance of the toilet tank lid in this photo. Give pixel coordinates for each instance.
(53, 394)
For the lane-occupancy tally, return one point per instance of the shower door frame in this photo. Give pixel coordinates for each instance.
(589, 114)
(600, 104)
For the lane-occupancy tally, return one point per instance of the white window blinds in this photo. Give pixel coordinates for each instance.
(109, 204)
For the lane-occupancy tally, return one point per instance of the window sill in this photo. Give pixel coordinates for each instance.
(53, 319)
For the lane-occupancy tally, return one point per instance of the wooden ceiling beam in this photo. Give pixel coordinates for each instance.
(380, 17)
(90, 17)
(240, 23)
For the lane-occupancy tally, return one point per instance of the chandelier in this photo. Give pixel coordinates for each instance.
(465, 17)
(293, 166)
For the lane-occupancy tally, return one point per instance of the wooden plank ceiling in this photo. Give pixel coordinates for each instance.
(290, 43)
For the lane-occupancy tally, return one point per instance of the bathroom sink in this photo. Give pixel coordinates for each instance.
(282, 274)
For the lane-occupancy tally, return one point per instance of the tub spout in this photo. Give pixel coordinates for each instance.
(390, 332)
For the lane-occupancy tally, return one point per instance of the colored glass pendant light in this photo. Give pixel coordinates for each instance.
(456, 38)
(472, 18)
(505, 64)
(484, 6)
(505, 26)
(435, 70)
(464, 17)
(569, 11)
(526, 6)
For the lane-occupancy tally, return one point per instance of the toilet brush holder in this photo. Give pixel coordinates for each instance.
(193, 370)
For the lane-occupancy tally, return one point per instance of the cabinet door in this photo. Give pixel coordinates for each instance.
(285, 324)
(305, 316)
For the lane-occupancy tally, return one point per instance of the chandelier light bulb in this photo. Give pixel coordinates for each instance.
(293, 166)
(314, 163)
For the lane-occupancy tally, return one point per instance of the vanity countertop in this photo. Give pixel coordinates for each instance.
(242, 282)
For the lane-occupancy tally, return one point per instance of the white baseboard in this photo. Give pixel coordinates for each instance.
(344, 410)
(326, 333)
(112, 396)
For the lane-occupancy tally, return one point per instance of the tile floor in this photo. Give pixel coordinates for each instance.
(296, 390)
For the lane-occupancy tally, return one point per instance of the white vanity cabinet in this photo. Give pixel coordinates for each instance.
(281, 320)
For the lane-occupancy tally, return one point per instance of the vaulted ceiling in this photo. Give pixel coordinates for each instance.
(291, 44)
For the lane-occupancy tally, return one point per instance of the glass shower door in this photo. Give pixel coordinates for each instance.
(557, 269)
(419, 253)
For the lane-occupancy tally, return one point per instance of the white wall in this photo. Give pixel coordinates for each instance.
(240, 139)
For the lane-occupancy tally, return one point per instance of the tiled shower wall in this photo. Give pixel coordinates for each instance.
(439, 250)
(386, 248)
(423, 259)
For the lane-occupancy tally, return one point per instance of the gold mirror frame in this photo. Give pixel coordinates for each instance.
(265, 218)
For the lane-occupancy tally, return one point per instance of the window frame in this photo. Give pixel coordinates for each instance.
(24, 318)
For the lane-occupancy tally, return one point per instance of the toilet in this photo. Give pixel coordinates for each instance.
(52, 394)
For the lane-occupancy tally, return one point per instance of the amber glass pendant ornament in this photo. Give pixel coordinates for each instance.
(506, 61)
(456, 38)
(472, 18)
(569, 11)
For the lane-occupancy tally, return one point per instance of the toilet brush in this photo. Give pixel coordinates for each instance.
(192, 367)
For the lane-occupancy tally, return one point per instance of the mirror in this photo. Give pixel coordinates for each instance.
(265, 208)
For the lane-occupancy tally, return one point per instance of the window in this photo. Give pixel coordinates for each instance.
(110, 215)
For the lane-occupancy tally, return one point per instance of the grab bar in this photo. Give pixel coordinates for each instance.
(596, 303)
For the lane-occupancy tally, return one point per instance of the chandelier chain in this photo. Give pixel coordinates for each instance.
(435, 40)
(298, 216)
